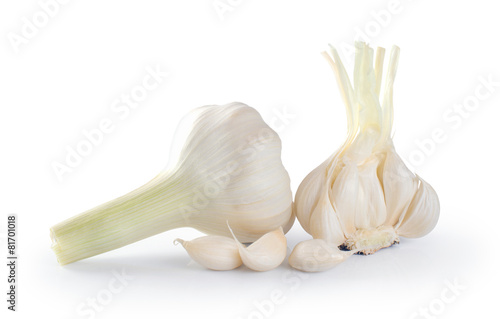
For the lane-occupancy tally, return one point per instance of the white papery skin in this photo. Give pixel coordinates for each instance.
(229, 170)
(363, 197)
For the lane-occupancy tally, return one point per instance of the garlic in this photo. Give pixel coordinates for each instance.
(316, 255)
(229, 169)
(267, 253)
(224, 253)
(363, 197)
(213, 252)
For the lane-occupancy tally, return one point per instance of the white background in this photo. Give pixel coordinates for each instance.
(64, 79)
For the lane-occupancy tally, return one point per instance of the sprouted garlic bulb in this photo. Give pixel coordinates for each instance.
(363, 197)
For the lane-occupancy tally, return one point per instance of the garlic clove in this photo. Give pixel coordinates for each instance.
(308, 195)
(356, 191)
(213, 252)
(370, 197)
(267, 253)
(316, 255)
(422, 214)
(400, 186)
(344, 195)
(324, 222)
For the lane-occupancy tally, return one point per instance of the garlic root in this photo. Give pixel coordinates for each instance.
(368, 241)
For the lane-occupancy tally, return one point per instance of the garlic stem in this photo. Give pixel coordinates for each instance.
(379, 65)
(144, 212)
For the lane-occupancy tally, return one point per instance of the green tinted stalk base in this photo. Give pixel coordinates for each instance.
(151, 209)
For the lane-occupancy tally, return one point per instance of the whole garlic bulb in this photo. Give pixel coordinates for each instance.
(363, 197)
(227, 168)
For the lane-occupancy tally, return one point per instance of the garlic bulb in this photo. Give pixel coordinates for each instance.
(363, 197)
(229, 169)
(316, 255)
(213, 252)
(267, 253)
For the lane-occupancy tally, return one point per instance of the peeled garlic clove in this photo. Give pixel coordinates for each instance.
(213, 252)
(267, 253)
(316, 255)
(422, 214)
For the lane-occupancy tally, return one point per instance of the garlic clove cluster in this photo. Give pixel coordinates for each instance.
(224, 253)
(316, 255)
(363, 197)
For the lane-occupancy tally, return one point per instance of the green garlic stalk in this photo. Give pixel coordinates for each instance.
(228, 171)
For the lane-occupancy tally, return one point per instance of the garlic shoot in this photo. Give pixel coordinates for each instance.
(316, 255)
(229, 169)
(213, 252)
(363, 197)
(267, 253)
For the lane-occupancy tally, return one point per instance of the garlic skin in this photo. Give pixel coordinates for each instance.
(243, 181)
(213, 252)
(316, 255)
(363, 197)
(228, 168)
(267, 253)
